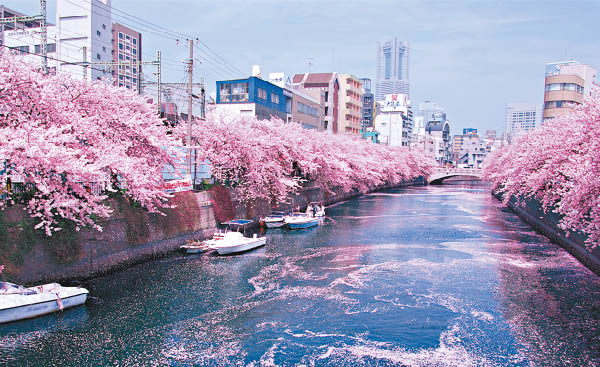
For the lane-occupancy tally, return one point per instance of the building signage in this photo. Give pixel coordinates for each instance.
(172, 186)
(278, 79)
(395, 103)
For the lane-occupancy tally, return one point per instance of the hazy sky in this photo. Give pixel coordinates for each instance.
(471, 57)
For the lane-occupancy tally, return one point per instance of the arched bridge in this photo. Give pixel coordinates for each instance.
(440, 174)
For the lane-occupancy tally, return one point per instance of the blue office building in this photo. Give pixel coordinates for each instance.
(253, 96)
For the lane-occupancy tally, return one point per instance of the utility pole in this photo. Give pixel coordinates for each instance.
(43, 30)
(119, 63)
(158, 79)
(84, 64)
(190, 101)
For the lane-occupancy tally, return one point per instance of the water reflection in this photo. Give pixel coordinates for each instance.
(427, 276)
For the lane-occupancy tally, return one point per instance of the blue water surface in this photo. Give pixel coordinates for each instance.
(422, 276)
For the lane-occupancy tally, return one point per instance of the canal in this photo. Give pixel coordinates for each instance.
(421, 276)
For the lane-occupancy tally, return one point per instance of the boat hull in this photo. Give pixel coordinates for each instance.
(278, 224)
(193, 249)
(242, 247)
(45, 307)
(304, 224)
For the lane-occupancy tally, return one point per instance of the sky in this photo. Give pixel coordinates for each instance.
(471, 57)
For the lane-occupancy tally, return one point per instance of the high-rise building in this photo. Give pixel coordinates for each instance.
(367, 105)
(350, 103)
(327, 83)
(126, 48)
(522, 117)
(392, 69)
(567, 84)
(427, 109)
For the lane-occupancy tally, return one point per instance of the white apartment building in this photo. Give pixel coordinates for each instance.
(521, 118)
(84, 26)
(393, 121)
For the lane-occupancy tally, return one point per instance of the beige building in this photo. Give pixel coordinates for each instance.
(350, 103)
(308, 108)
(567, 83)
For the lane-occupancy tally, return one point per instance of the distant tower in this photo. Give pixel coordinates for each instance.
(392, 68)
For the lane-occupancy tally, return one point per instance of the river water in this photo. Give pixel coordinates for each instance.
(421, 276)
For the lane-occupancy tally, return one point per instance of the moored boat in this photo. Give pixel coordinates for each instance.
(301, 221)
(274, 220)
(234, 241)
(194, 247)
(315, 209)
(18, 302)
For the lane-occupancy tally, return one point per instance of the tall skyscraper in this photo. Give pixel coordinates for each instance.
(392, 69)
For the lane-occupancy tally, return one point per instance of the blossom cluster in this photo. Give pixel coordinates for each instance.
(557, 164)
(271, 159)
(65, 137)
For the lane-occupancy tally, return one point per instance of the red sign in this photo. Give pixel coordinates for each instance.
(173, 186)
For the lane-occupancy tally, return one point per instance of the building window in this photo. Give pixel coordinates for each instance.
(98, 57)
(134, 70)
(262, 94)
(274, 98)
(103, 26)
(239, 92)
(98, 33)
(120, 46)
(120, 57)
(326, 96)
(120, 35)
(103, 49)
(225, 92)
(134, 51)
(127, 37)
(134, 40)
(387, 54)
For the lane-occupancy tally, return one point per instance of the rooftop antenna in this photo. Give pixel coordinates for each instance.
(309, 63)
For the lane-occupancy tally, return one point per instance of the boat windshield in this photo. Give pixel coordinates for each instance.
(10, 288)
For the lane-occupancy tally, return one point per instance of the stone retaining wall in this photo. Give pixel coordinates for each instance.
(132, 235)
(547, 224)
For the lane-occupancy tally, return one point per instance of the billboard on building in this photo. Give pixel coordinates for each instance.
(395, 103)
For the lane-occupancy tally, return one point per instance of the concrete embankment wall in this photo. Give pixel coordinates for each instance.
(547, 224)
(131, 235)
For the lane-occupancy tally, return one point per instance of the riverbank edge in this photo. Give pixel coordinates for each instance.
(89, 266)
(548, 226)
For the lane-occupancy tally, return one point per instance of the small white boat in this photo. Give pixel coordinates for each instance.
(274, 220)
(194, 247)
(18, 302)
(301, 221)
(234, 241)
(315, 209)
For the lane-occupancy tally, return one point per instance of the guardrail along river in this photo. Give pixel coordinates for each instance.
(422, 276)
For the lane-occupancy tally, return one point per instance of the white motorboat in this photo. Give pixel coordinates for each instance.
(315, 209)
(18, 302)
(194, 247)
(234, 241)
(274, 220)
(301, 221)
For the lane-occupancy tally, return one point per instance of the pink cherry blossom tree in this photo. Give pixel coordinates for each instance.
(270, 159)
(65, 137)
(557, 164)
